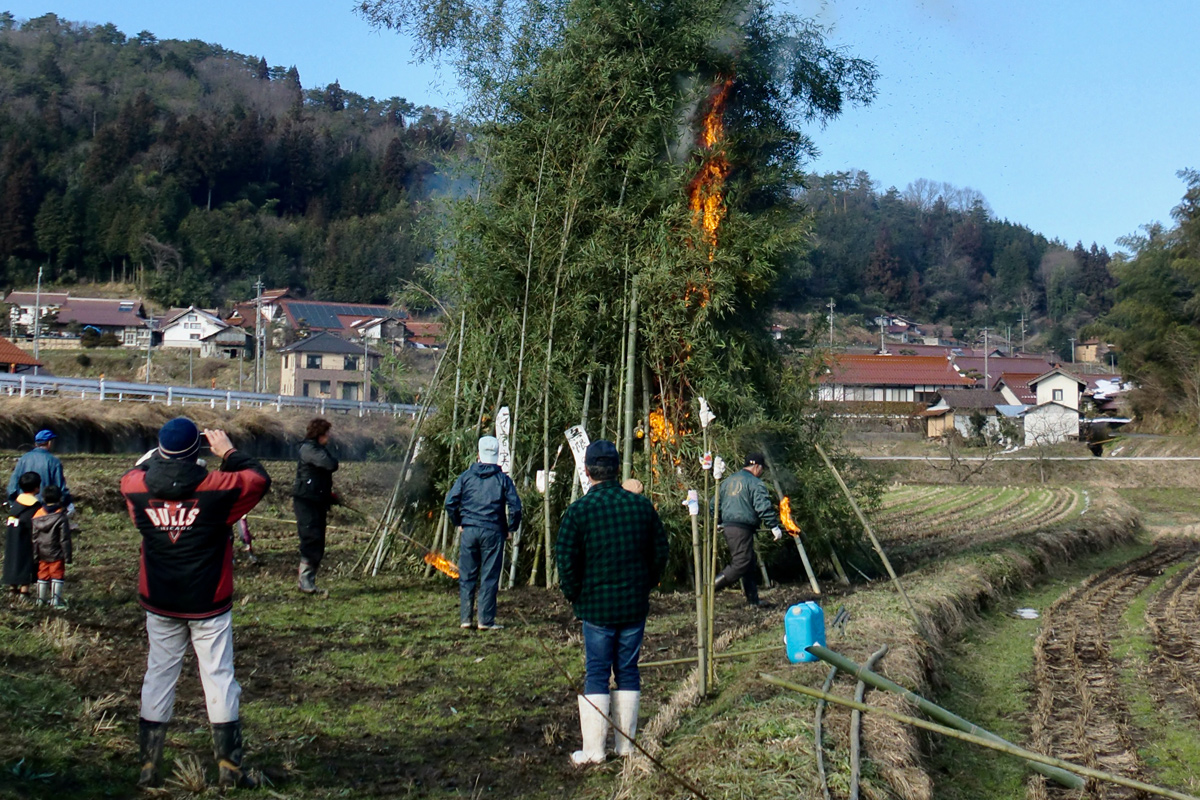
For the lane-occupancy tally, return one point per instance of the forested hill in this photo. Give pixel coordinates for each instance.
(198, 169)
(936, 252)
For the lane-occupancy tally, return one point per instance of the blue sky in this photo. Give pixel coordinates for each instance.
(1070, 117)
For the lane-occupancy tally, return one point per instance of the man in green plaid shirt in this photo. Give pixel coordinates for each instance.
(611, 552)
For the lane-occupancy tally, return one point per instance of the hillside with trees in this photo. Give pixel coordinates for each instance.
(936, 252)
(191, 170)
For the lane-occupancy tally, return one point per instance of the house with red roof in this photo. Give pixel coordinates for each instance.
(14, 359)
(852, 377)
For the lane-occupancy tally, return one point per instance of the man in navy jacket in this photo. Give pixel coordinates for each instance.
(483, 503)
(185, 582)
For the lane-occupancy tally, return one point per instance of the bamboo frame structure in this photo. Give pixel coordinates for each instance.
(1035, 759)
(937, 712)
(701, 643)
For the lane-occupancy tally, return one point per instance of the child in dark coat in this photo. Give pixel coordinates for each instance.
(19, 566)
(51, 547)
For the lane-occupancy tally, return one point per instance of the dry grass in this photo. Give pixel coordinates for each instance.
(189, 775)
(64, 637)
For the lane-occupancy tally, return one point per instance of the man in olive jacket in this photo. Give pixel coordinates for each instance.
(611, 553)
(745, 504)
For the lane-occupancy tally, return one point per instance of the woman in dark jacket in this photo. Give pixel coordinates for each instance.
(312, 495)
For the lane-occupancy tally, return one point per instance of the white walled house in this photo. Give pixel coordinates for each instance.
(1055, 417)
(1058, 386)
(210, 336)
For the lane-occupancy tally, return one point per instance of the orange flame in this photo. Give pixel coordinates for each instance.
(785, 515)
(705, 197)
(441, 563)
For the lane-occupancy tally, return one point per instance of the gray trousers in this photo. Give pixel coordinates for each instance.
(212, 639)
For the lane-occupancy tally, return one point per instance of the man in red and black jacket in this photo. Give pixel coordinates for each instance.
(184, 513)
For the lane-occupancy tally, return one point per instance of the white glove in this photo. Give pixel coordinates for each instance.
(777, 532)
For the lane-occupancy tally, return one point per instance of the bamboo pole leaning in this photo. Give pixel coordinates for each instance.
(808, 569)
(942, 715)
(860, 693)
(818, 734)
(874, 542)
(1034, 758)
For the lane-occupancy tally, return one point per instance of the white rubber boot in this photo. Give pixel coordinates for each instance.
(593, 710)
(56, 595)
(625, 718)
(43, 593)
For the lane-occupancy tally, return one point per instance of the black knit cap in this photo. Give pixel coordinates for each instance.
(753, 459)
(179, 439)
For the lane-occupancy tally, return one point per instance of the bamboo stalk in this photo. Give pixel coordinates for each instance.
(818, 725)
(701, 645)
(604, 401)
(462, 323)
(937, 712)
(674, 662)
(843, 579)
(630, 345)
(647, 445)
(860, 692)
(874, 541)
(1036, 759)
(808, 570)
(711, 588)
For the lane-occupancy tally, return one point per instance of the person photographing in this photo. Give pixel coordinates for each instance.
(745, 506)
(185, 583)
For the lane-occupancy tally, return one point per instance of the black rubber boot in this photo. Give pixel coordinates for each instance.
(308, 578)
(151, 738)
(721, 582)
(227, 750)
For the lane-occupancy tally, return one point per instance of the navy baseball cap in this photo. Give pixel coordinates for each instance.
(44, 436)
(601, 451)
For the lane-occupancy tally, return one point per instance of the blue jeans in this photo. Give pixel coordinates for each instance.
(612, 651)
(480, 560)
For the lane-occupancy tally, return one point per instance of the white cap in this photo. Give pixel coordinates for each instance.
(489, 450)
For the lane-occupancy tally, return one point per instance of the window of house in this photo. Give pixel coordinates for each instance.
(312, 361)
(351, 363)
(323, 387)
(1058, 394)
(195, 337)
(125, 307)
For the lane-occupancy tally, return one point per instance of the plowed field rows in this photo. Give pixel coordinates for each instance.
(964, 516)
(1081, 709)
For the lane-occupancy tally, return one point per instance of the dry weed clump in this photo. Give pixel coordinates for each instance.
(64, 637)
(189, 775)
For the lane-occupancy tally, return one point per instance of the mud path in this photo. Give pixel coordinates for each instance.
(1080, 710)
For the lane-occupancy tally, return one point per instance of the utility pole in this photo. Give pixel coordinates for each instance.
(37, 318)
(366, 372)
(882, 345)
(259, 383)
(1022, 331)
(831, 306)
(1072, 349)
(191, 352)
(987, 377)
(149, 341)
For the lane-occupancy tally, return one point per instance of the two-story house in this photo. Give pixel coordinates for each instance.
(205, 332)
(327, 366)
(1055, 416)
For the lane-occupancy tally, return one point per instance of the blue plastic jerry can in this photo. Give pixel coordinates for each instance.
(803, 626)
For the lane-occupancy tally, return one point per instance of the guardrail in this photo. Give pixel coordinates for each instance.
(26, 385)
